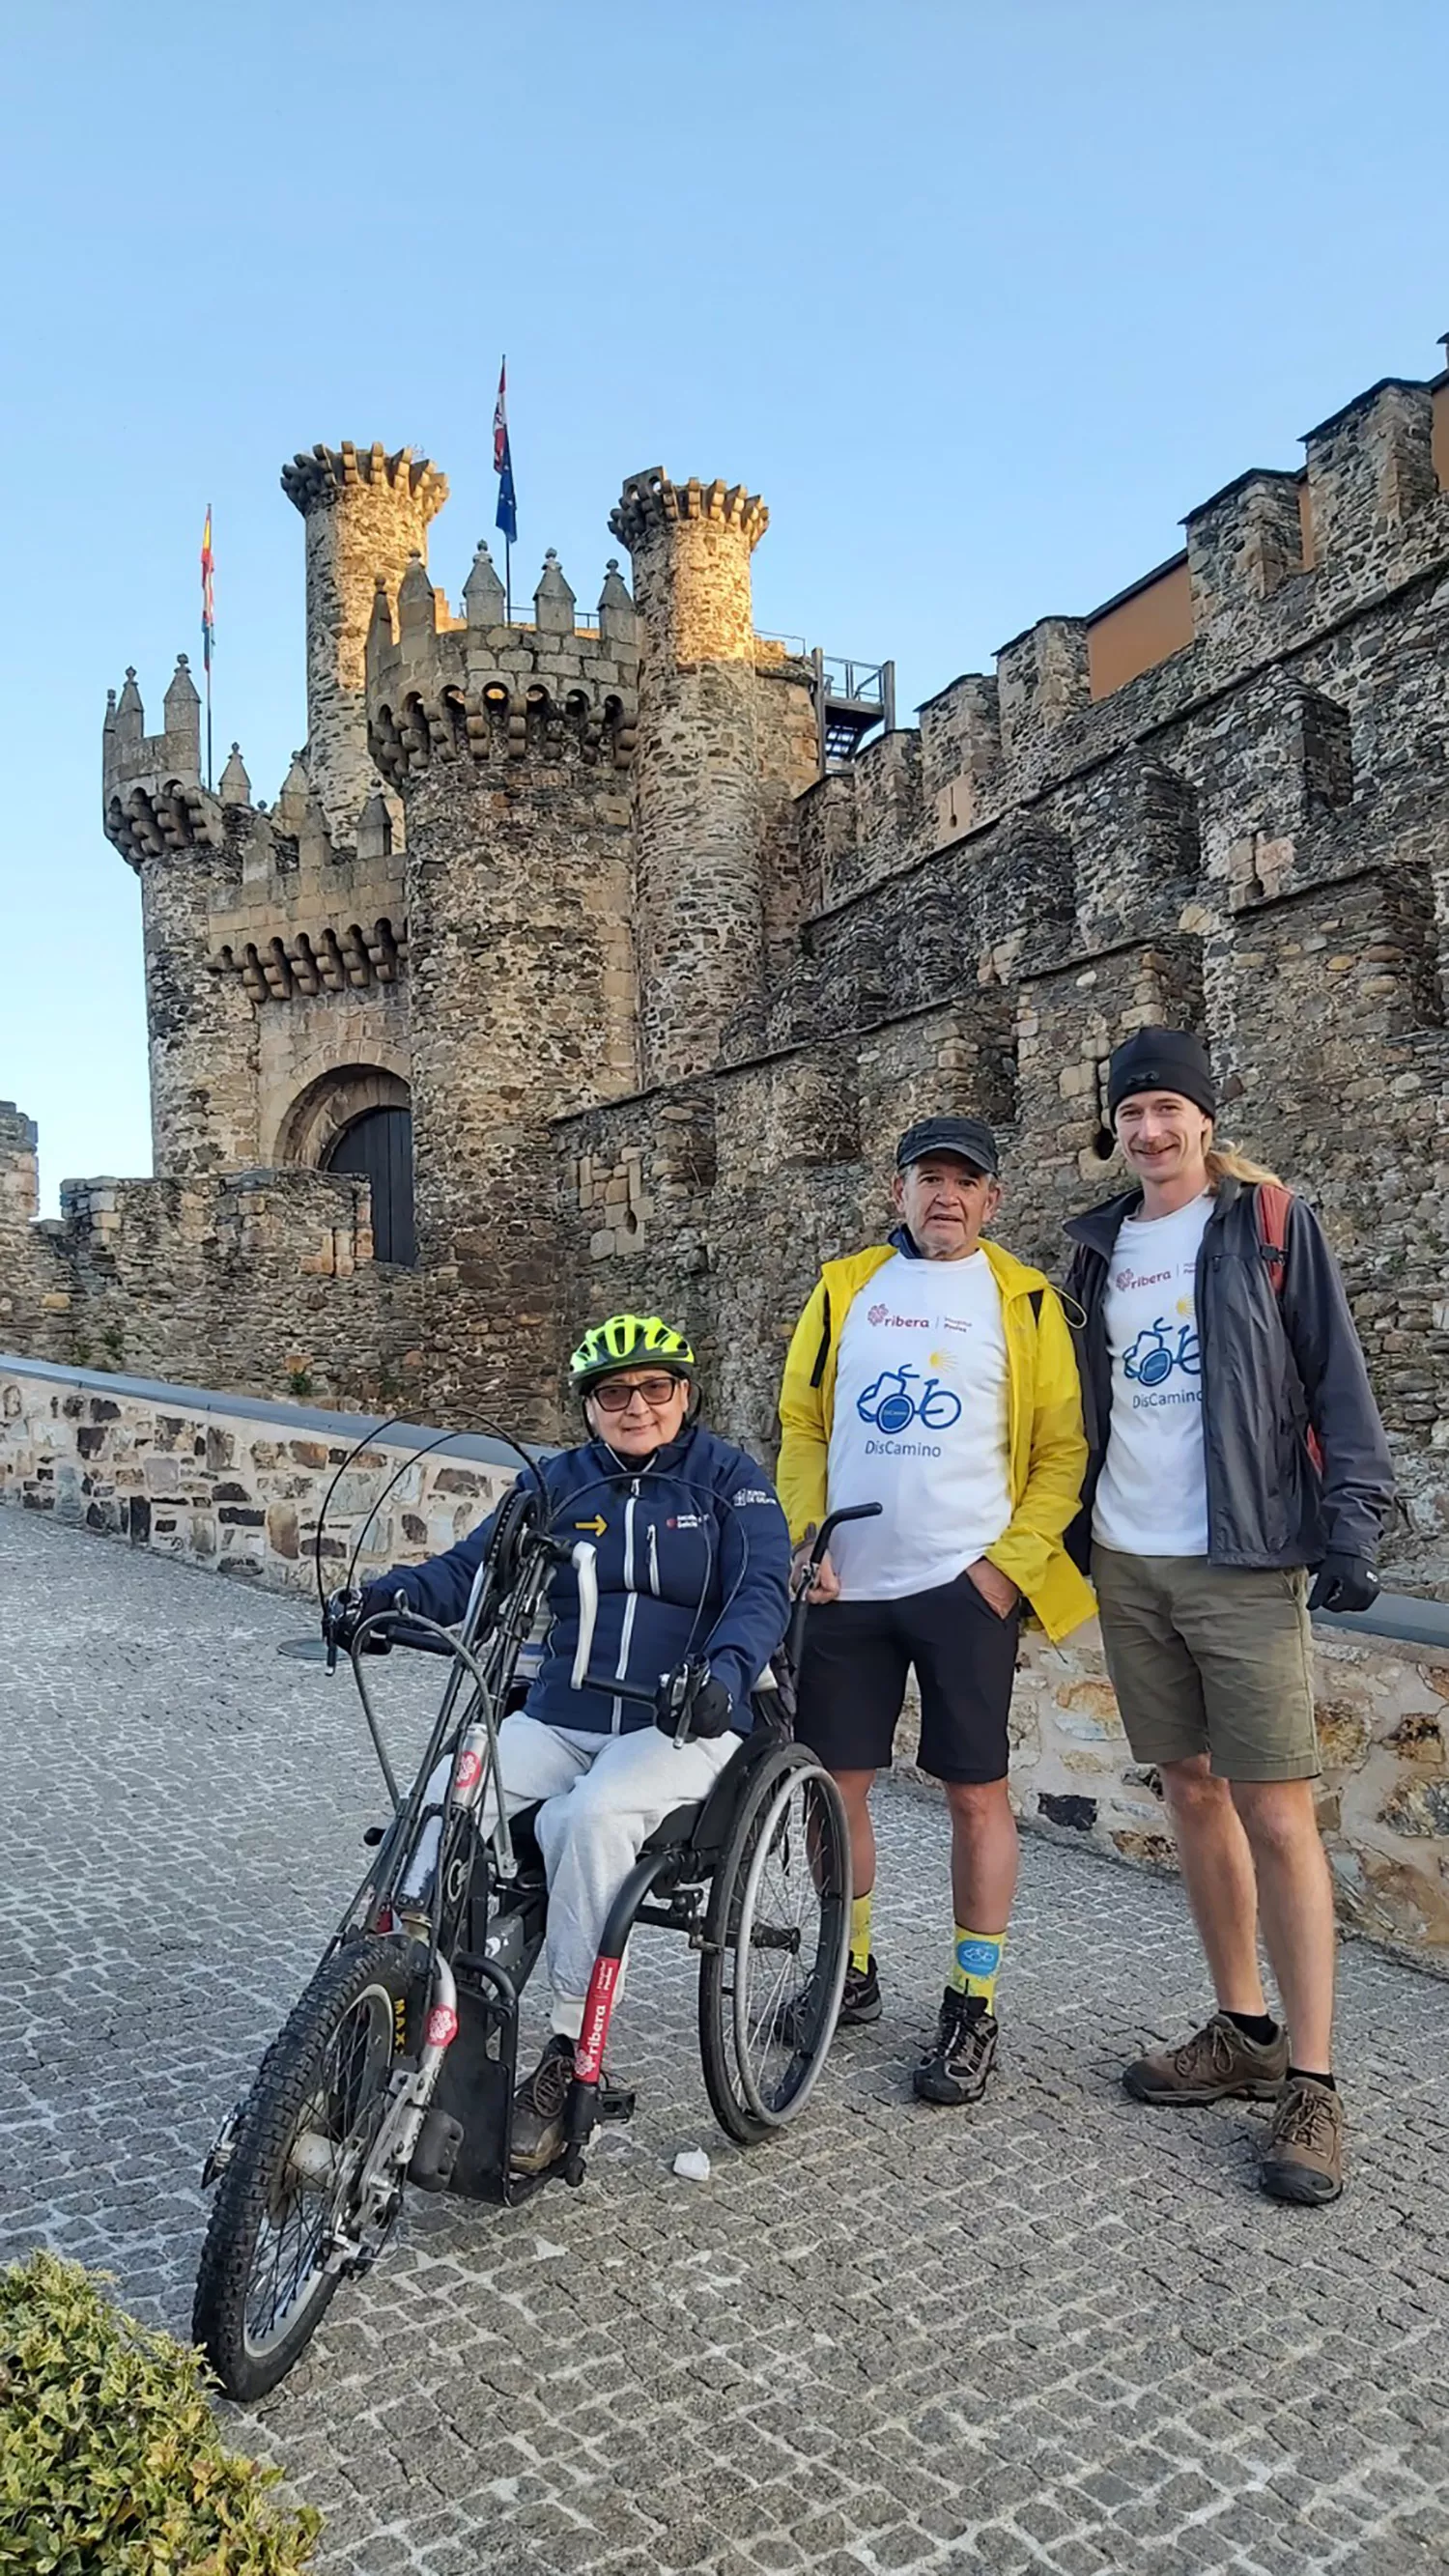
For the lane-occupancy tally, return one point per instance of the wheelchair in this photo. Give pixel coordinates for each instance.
(398, 2064)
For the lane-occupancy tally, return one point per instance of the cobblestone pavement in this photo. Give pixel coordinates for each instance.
(1061, 2333)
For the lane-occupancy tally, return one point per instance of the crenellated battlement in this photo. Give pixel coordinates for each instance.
(650, 500)
(129, 752)
(317, 479)
(483, 687)
(1274, 562)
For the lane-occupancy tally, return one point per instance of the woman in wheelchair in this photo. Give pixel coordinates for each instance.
(693, 1564)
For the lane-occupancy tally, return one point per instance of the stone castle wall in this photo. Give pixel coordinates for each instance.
(264, 1278)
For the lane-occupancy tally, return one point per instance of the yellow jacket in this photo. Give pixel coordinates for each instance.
(1048, 1448)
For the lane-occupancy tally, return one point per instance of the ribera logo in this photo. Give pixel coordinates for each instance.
(898, 1323)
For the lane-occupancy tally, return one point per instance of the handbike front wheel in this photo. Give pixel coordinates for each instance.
(777, 1943)
(288, 2186)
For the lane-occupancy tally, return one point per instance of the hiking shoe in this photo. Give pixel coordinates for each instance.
(1303, 2159)
(1218, 2060)
(539, 2106)
(955, 2068)
(797, 2021)
(860, 1998)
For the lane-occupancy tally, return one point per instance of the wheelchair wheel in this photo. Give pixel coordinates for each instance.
(777, 1938)
(287, 2188)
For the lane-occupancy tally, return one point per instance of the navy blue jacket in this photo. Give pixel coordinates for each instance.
(693, 1559)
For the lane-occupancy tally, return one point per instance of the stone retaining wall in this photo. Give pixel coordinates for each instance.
(238, 1485)
(232, 1483)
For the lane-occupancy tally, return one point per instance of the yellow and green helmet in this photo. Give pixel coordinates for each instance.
(628, 1341)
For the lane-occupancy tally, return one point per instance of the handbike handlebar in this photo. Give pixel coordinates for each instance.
(805, 1578)
(826, 1532)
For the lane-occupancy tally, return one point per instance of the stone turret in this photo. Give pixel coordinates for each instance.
(700, 910)
(366, 515)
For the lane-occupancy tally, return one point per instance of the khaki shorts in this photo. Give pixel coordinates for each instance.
(1210, 1659)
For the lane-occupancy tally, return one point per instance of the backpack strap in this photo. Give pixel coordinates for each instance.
(823, 1354)
(1271, 1203)
(1034, 1298)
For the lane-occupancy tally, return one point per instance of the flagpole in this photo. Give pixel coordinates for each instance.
(208, 623)
(507, 580)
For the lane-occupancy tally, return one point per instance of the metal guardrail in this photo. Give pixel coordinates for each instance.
(863, 683)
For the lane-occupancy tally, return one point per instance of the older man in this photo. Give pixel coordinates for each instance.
(949, 1395)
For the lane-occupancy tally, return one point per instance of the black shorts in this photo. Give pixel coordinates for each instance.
(853, 1681)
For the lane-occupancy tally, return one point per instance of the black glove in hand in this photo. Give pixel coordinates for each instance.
(692, 1701)
(341, 1618)
(344, 1615)
(1344, 1583)
(711, 1708)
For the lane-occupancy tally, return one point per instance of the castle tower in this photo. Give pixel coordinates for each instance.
(365, 513)
(509, 747)
(201, 1027)
(699, 903)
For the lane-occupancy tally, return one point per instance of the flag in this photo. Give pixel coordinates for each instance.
(507, 518)
(208, 604)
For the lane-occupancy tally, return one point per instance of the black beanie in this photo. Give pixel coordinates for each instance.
(1161, 1060)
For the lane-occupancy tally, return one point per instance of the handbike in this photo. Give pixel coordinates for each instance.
(398, 2064)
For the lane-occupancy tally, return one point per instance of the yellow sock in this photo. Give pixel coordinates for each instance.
(860, 1932)
(976, 1963)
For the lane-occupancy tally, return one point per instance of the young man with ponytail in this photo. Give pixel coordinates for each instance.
(1235, 1448)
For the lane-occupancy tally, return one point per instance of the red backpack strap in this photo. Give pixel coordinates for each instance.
(1271, 1203)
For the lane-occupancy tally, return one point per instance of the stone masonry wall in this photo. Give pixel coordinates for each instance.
(218, 1483)
(264, 1278)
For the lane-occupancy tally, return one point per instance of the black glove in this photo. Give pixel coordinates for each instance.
(344, 1615)
(710, 1706)
(1344, 1583)
(691, 1703)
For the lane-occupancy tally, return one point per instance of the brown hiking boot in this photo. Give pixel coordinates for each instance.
(1303, 2159)
(1218, 2060)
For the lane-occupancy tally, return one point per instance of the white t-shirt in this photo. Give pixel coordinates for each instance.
(1152, 1493)
(920, 1427)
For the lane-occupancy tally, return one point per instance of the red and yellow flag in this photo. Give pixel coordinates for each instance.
(208, 604)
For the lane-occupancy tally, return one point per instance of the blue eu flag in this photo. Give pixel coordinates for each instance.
(507, 518)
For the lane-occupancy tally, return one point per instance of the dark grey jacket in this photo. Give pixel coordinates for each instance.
(1271, 1367)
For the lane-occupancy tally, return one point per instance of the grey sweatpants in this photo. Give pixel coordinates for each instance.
(603, 1796)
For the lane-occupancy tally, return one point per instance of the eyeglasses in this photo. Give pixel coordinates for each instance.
(656, 1392)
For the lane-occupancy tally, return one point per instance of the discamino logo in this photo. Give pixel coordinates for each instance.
(1154, 1355)
(892, 1404)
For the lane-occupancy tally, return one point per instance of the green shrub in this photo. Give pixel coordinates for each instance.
(110, 2459)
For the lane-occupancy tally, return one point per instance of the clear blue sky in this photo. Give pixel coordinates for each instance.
(980, 299)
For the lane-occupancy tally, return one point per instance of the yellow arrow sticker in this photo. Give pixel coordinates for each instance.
(597, 1525)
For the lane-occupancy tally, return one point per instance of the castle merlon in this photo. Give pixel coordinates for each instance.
(651, 500)
(317, 479)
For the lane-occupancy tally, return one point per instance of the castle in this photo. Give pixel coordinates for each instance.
(587, 965)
